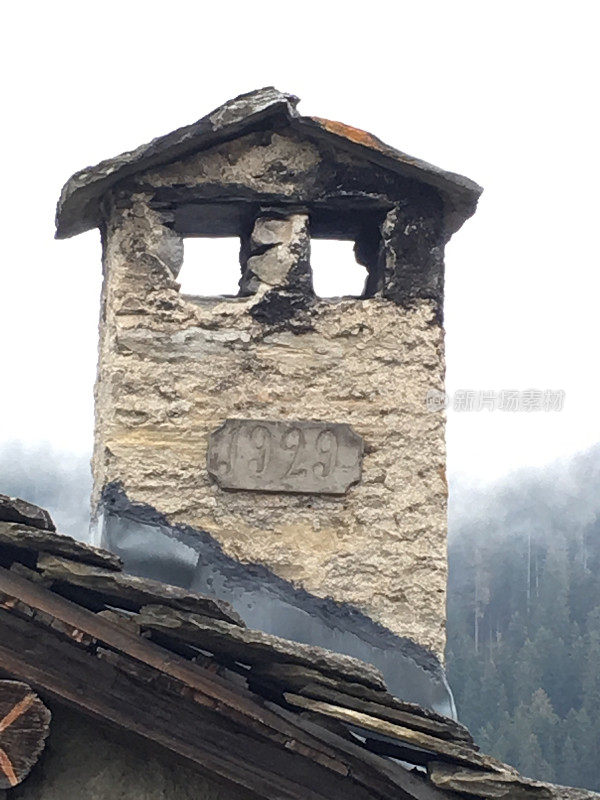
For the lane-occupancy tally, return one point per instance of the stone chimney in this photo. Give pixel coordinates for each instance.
(275, 448)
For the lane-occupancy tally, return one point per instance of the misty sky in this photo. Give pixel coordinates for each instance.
(505, 93)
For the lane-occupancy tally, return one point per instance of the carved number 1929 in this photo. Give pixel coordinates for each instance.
(285, 456)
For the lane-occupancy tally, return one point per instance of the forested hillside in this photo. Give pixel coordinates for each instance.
(524, 619)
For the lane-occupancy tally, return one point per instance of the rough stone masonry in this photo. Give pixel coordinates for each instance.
(362, 569)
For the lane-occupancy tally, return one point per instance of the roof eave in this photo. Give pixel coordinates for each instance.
(78, 208)
(460, 194)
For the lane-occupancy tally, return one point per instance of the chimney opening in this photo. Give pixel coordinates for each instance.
(211, 266)
(335, 271)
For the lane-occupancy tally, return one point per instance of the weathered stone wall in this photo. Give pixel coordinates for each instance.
(83, 759)
(281, 166)
(172, 369)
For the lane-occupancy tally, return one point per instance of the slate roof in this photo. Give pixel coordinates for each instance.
(78, 208)
(279, 718)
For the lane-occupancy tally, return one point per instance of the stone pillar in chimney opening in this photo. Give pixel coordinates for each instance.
(277, 254)
(408, 264)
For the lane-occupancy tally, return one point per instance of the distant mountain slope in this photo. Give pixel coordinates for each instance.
(60, 482)
(524, 618)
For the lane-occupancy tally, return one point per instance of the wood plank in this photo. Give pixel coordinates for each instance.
(123, 620)
(301, 680)
(41, 617)
(130, 592)
(457, 753)
(443, 730)
(17, 536)
(252, 647)
(24, 726)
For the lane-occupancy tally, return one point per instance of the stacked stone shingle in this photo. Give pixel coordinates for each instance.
(182, 670)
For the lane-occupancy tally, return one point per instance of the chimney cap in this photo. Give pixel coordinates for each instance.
(78, 208)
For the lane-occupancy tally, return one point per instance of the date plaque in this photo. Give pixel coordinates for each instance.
(282, 456)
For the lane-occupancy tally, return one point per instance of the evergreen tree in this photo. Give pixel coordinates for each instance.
(585, 735)
(524, 623)
(591, 665)
(526, 674)
(568, 766)
(531, 761)
(544, 723)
